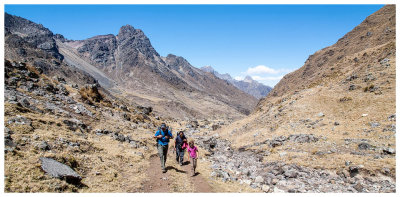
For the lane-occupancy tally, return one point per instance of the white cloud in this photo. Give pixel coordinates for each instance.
(269, 78)
(264, 74)
(261, 69)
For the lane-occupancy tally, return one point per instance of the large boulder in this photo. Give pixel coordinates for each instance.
(59, 170)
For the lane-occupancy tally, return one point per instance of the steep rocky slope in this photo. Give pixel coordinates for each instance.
(50, 116)
(247, 85)
(336, 113)
(56, 111)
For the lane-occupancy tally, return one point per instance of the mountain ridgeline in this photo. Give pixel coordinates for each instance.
(247, 85)
(129, 66)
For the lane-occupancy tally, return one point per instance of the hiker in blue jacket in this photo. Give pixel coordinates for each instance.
(163, 134)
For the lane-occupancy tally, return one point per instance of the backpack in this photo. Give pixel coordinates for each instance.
(162, 133)
(180, 146)
(177, 134)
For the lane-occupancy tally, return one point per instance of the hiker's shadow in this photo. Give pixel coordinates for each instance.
(186, 163)
(176, 170)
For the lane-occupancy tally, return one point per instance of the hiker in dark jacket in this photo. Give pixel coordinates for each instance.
(180, 140)
(163, 135)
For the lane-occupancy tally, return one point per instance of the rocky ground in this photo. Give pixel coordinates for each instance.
(65, 137)
(50, 118)
(251, 167)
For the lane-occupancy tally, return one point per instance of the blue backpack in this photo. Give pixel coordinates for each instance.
(163, 133)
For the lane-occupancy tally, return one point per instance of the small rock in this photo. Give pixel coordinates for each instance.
(43, 146)
(364, 115)
(386, 171)
(358, 187)
(391, 128)
(389, 151)
(80, 109)
(274, 181)
(392, 117)
(374, 124)
(369, 77)
(259, 179)
(76, 144)
(352, 77)
(320, 114)
(8, 141)
(385, 62)
(291, 174)
(140, 154)
(265, 188)
(353, 170)
(215, 127)
(213, 174)
(336, 124)
(247, 181)
(277, 190)
(364, 146)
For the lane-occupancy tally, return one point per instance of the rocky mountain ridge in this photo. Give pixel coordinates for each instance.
(168, 83)
(128, 65)
(247, 85)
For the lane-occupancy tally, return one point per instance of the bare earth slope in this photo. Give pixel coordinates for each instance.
(337, 112)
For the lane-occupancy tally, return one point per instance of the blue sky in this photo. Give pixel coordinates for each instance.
(263, 41)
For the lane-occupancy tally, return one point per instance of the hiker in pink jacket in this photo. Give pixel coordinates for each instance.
(192, 156)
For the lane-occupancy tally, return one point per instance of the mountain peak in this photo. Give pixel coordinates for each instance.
(126, 28)
(248, 79)
(129, 30)
(208, 69)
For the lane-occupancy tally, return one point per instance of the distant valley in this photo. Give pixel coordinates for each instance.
(247, 85)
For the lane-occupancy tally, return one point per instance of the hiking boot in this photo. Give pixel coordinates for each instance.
(164, 170)
(181, 164)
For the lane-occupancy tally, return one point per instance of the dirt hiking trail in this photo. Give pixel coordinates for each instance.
(176, 179)
(201, 185)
